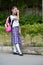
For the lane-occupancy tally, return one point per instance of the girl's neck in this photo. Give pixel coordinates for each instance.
(13, 14)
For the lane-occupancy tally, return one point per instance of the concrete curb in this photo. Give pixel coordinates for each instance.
(26, 50)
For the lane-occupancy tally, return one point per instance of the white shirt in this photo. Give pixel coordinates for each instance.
(15, 22)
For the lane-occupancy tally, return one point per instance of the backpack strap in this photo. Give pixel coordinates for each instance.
(11, 23)
(7, 20)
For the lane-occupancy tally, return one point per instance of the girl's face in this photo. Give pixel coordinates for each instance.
(14, 11)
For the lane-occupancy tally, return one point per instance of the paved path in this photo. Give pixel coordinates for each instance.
(10, 59)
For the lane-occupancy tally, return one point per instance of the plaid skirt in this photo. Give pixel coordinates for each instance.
(15, 36)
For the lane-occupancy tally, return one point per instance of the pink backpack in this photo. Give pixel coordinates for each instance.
(8, 27)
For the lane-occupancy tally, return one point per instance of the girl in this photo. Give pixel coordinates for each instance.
(15, 34)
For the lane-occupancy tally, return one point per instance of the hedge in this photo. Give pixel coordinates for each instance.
(29, 29)
(32, 29)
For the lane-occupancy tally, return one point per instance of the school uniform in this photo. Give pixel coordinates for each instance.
(15, 36)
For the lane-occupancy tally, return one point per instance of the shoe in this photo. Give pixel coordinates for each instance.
(15, 53)
(20, 54)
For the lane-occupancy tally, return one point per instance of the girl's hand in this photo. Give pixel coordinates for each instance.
(19, 32)
(17, 11)
(5, 26)
(18, 14)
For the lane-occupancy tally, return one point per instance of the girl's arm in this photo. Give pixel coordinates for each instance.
(18, 19)
(19, 29)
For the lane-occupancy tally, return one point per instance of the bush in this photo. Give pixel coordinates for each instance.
(3, 17)
(29, 29)
(32, 29)
(30, 19)
(2, 31)
(39, 45)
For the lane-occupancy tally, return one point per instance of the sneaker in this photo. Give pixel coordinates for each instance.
(20, 54)
(15, 53)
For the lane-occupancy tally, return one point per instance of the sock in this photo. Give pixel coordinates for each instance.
(18, 48)
(14, 49)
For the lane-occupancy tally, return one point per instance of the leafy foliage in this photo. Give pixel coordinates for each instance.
(24, 19)
(32, 29)
(30, 19)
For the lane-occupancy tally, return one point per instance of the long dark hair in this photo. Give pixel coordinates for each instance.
(13, 8)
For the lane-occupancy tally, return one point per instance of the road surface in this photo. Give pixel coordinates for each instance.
(10, 59)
